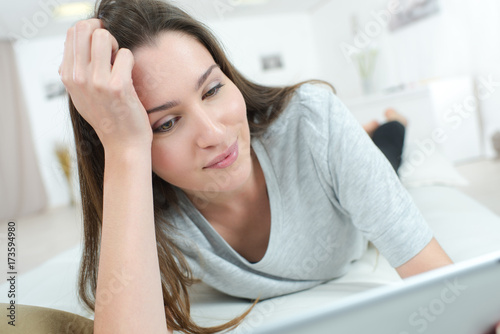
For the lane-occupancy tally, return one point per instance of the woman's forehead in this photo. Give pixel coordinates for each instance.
(172, 54)
(176, 59)
(176, 46)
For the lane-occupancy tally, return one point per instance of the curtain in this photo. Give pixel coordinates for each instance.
(22, 191)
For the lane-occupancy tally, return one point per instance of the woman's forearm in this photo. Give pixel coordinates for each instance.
(429, 258)
(129, 297)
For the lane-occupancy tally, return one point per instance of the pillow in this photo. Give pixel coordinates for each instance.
(425, 165)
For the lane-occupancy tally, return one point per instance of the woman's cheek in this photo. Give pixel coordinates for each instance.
(237, 105)
(159, 160)
(172, 157)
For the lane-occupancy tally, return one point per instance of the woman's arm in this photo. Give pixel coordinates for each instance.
(431, 257)
(129, 296)
(98, 78)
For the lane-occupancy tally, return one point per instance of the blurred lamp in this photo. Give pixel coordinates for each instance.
(73, 10)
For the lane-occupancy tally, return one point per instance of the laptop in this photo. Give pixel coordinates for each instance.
(463, 298)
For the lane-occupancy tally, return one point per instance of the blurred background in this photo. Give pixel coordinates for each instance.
(374, 52)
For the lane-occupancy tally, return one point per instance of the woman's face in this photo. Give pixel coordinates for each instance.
(201, 138)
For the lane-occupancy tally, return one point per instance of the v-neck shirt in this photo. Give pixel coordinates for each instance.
(330, 191)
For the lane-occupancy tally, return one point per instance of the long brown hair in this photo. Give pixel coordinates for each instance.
(136, 23)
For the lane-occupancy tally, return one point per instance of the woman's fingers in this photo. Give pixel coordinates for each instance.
(66, 68)
(121, 79)
(83, 32)
(114, 48)
(102, 49)
(104, 46)
(98, 77)
(122, 68)
(75, 49)
(82, 41)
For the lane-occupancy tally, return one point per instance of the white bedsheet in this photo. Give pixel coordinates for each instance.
(464, 228)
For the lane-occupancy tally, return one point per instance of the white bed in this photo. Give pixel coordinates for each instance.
(464, 228)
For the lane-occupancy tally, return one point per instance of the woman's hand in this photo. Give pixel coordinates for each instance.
(98, 78)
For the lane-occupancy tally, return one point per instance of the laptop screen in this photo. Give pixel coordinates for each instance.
(463, 298)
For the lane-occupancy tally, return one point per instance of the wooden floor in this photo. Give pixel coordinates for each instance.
(40, 237)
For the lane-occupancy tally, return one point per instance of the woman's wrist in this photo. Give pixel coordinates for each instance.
(127, 149)
(134, 152)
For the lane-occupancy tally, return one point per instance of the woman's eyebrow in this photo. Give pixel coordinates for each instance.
(171, 104)
(165, 106)
(205, 75)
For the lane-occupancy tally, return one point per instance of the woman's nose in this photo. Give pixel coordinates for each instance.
(209, 130)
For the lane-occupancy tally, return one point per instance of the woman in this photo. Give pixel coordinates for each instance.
(247, 180)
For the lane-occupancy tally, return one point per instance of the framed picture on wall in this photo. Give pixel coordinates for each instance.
(272, 62)
(413, 10)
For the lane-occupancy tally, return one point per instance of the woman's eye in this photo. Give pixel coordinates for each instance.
(213, 91)
(167, 126)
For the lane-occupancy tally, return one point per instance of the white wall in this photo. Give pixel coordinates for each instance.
(485, 55)
(462, 39)
(290, 35)
(38, 61)
(332, 26)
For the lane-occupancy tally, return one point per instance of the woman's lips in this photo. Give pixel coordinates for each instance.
(226, 159)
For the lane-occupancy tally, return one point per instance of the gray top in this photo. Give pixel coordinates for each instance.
(330, 190)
